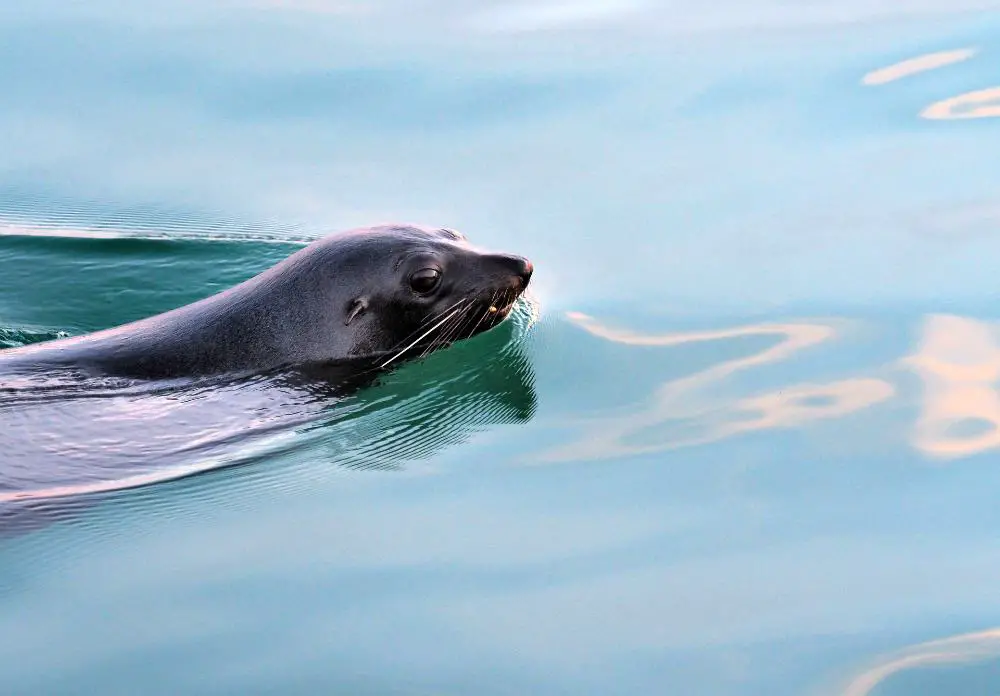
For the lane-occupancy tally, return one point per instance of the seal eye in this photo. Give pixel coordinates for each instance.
(425, 281)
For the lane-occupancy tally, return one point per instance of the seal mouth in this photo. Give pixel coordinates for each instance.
(479, 314)
(499, 304)
(501, 310)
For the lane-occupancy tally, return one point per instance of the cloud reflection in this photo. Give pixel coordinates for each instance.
(916, 65)
(983, 103)
(959, 362)
(960, 649)
(681, 413)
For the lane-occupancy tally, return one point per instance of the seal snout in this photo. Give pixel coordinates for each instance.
(520, 267)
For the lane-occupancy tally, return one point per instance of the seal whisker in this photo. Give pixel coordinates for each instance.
(409, 337)
(441, 313)
(459, 329)
(424, 323)
(489, 310)
(447, 331)
(421, 336)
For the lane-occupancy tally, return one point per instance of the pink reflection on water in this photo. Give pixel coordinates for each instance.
(690, 410)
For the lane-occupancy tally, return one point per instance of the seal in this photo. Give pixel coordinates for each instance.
(379, 294)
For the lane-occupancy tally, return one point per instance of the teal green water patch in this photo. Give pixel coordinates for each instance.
(94, 284)
(13, 338)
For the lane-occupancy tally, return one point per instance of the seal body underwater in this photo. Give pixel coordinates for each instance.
(377, 294)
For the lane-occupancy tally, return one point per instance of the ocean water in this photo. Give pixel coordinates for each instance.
(743, 439)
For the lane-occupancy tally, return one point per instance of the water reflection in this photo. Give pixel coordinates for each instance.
(438, 402)
(916, 65)
(682, 412)
(959, 362)
(960, 649)
(801, 404)
(69, 438)
(642, 164)
(983, 103)
(540, 15)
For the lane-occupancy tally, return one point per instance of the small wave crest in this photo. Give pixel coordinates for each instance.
(15, 337)
(29, 214)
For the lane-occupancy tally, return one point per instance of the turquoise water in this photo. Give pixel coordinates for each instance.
(742, 440)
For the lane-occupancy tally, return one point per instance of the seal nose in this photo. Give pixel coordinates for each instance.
(519, 266)
(526, 271)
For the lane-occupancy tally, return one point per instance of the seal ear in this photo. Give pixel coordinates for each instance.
(355, 309)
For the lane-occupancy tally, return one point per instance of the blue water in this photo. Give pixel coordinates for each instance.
(744, 442)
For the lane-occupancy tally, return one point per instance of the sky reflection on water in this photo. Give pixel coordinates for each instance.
(749, 445)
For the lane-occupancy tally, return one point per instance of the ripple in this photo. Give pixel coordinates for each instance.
(69, 436)
(14, 338)
(159, 233)
(66, 438)
(32, 214)
(689, 411)
(441, 400)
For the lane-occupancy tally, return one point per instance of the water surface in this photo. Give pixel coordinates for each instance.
(744, 441)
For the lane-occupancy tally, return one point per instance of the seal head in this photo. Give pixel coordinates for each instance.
(445, 290)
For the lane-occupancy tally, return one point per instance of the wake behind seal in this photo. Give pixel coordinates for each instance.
(376, 295)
